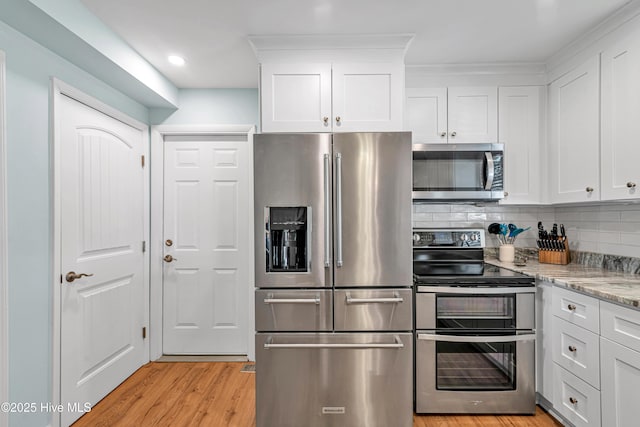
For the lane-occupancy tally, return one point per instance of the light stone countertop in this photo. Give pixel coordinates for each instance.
(617, 287)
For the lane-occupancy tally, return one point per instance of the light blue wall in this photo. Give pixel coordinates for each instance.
(29, 67)
(211, 106)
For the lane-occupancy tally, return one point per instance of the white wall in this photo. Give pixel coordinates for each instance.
(29, 67)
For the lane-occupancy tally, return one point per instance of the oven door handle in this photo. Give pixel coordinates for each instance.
(479, 339)
(471, 290)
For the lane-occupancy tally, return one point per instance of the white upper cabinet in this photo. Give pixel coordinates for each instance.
(338, 97)
(574, 151)
(473, 114)
(426, 115)
(620, 146)
(367, 97)
(296, 97)
(520, 119)
(453, 115)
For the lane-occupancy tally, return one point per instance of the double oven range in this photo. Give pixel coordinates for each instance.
(475, 337)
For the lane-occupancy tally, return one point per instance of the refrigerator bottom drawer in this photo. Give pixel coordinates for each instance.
(345, 379)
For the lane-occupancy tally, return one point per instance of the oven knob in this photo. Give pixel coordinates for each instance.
(474, 237)
(416, 237)
(464, 237)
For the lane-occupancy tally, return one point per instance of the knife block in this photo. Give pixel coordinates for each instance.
(562, 257)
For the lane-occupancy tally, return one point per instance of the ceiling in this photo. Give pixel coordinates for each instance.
(212, 34)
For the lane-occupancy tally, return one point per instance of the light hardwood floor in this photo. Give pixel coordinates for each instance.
(219, 394)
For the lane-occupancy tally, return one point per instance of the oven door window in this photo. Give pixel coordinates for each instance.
(476, 311)
(471, 366)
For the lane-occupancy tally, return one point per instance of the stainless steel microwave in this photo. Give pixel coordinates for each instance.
(458, 172)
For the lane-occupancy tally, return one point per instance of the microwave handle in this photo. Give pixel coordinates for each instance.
(490, 171)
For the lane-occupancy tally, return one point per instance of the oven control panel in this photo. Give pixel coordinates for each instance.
(454, 238)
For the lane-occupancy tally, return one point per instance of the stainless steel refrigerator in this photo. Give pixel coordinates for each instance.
(334, 276)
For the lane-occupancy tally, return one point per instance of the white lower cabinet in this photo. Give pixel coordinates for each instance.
(596, 359)
(620, 384)
(576, 400)
(620, 365)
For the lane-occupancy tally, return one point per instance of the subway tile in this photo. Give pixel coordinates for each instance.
(631, 216)
(618, 249)
(495, 217)
(450, 216)
(600, 216)
(476, 216)
(466, 208)
(609, 237)
(632, 239)
(589, 236)
(422, 217)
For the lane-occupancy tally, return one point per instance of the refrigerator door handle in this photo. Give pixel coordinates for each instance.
(395, 299)
(327, 213)
(315, 301)
(396, 344)
(338, 210)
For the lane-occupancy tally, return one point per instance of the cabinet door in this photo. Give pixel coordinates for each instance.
(368, 97)
(620, 125)
(295, 97)
(574, 153)
(426, 115)
(473, 114)
(620, 368)
(519, 130)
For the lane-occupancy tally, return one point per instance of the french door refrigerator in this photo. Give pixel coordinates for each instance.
(334, 279)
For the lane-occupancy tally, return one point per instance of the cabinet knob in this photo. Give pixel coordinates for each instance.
(169, 242)
(506, 194)
(325, 120)
(573, 400)
(589, 189)
(571, 307)
(572, 349)
(338, 119)
(631, 184)
(453, 134)
(443, 134)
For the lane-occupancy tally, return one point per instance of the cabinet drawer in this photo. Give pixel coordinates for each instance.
(373, 310)
(576, 308)
(575, 400)
(620, 324)
(294, 310)
(577, 350)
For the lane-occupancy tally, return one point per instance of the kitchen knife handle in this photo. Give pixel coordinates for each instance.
(327, 212)
(490, 174)
(338, 210)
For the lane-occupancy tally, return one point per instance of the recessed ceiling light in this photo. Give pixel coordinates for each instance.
(176, 60)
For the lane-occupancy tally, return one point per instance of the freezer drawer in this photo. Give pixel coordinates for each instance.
(373, 310)
(294, 310)
(329, 380)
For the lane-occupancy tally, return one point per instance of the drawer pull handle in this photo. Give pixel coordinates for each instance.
(572, 349)
(573, 400)
(315, 301)
(571, 307)
(395, 299)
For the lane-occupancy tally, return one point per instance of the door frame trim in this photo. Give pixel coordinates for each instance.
(4, 282)
(158, 133)
(58, 90)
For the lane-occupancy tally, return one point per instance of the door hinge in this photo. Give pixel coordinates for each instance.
(144, 332)
(142, 160)
(144, 246)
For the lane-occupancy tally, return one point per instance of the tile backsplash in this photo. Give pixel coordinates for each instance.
(606, 228)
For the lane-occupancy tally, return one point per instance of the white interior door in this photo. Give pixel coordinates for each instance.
(208, 207)
(102, 209)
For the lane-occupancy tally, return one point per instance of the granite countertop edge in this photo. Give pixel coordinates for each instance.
(611, 286)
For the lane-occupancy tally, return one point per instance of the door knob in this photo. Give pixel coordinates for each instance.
(72, 275)
(169, 258)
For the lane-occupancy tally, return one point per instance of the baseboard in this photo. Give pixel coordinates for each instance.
(188, 358)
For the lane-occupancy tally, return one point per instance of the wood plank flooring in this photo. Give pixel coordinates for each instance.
(219, 394)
